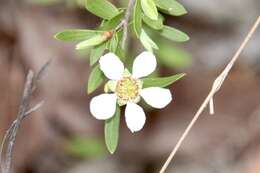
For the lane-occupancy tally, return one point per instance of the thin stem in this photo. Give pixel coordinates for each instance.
(24, 110)
(215, 88)
(124, 22)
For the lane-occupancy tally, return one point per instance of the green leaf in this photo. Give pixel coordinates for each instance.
(149, 9)
(112, 131)
(171, 7)
(93, 41)
(120, 53)
(147, 42)
(172, 56)
(84, 147)
(137, 18)
(76, 35)
(96, 53)
(174, 34)
(155, 24)
(102, 8)
(96, 78)
(112, 23)
(113, 43)
(161, 81)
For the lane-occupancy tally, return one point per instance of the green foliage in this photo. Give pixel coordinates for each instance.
(154, 24)
(147, 42)
(137, 18)
(112, 23)
(76, 34)
(96, 78)
(84, 147)
(112, 131)
(96, 53)
(171, 7)
(149, 9)
(113, 43)
(161, 81)
(102, 8)
(174, 34)
(93, 41)
(120, 52)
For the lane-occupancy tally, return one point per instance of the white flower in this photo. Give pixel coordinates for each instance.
(126, 89)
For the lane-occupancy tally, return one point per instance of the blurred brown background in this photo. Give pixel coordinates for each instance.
(62, 136)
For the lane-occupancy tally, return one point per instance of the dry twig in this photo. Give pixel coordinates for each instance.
(24, 110)
(209, 99)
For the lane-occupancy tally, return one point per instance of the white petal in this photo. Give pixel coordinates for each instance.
(144, 64)
(134, 116)
(156, 97)
(103, 106)
(112, 66)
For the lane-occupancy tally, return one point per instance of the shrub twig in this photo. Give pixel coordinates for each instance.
(126, 19)
(209, 99)
(124, 22)
(24, 110)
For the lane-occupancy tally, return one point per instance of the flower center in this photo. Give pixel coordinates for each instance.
(127, 89)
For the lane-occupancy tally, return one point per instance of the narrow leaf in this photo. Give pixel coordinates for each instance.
(113, 43)
(118, 50)
(174, 34)
(171, 7)
(155, 24)
(93, 41)
(112, 23)
(112, 131)
(147, 42)
(137, 18)
(149, 9)
(120, 53)
(102, 8)
(96, 53)
(96, 78)
(161, 81)
(76, 35)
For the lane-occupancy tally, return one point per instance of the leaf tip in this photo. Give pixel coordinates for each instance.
(111, 150)
(182, 75)
(185, 12)
(187, 37)
(79, 46)
(178, 14)
(57, 35)
(89, 89)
